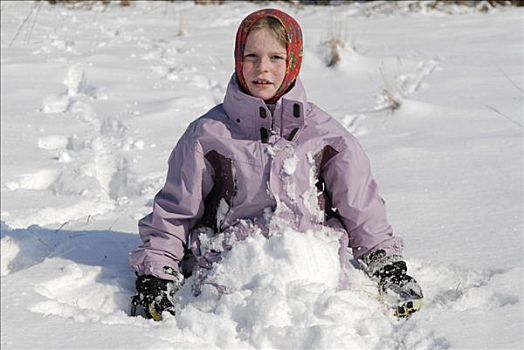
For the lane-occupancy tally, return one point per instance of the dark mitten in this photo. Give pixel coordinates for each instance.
(390, 272)
(157, 295)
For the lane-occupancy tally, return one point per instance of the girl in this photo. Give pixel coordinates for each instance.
(265, 156)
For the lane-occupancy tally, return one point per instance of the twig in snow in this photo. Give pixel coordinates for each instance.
(511, 81)
(37, 237)
(19, 29)
(505, 116)
(393, 101)
(110, 228)
(391, 94)
(30, 32)
(182, 27)
(457, 289)
(51, 249)
(77, 235)
(61, 226)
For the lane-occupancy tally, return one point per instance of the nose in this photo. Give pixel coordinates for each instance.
(263, 64)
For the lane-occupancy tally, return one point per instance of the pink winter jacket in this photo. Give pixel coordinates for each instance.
(241, 166)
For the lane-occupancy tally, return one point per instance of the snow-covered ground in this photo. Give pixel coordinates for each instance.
(93, 100)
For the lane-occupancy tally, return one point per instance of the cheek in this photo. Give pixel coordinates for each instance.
(247, 67)
(281, 71)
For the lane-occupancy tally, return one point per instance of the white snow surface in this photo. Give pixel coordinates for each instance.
(94, 100)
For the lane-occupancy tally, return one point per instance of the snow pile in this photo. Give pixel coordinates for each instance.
(270, 287)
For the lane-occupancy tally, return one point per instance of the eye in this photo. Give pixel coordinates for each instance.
(250, 57)
(278, 58)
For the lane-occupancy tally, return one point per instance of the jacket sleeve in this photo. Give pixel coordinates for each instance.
(354, 194)
(176, 209)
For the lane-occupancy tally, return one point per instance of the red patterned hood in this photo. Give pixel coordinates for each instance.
(294, 47)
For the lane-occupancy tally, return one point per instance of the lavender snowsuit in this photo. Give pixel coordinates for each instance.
(241, 165)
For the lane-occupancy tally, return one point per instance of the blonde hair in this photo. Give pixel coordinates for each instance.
(276, 28)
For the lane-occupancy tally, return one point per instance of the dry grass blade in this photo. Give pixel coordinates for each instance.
(19, 29)
(505, 116)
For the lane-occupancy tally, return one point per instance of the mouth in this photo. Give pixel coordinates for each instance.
(261, 82)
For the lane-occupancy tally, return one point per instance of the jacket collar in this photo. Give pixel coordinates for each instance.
(251, 116)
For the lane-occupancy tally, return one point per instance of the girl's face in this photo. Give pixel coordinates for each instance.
(264, 63)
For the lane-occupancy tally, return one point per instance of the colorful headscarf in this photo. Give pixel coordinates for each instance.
(294, 47)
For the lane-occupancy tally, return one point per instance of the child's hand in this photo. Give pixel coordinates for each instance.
(402, 291)
(157, 295)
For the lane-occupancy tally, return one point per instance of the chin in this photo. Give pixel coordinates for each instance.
(264, 96)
